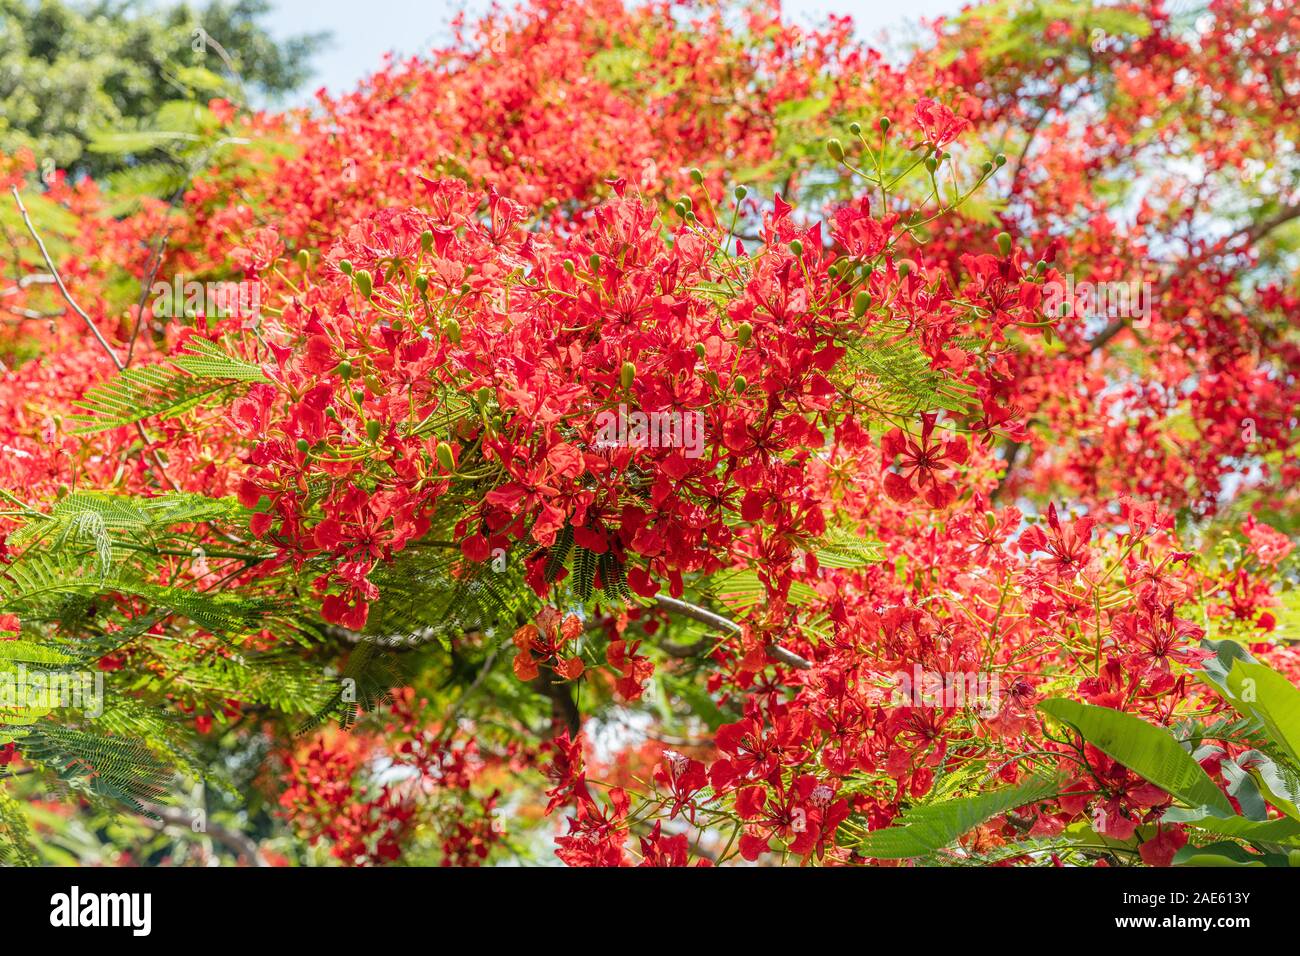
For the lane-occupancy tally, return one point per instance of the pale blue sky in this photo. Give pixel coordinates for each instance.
(364, 31)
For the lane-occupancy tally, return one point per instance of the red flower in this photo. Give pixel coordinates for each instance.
(921, 464)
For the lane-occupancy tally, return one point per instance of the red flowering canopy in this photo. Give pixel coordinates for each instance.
(668, 436)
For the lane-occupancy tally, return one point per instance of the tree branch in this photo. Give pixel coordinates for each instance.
(705, 616)
(233, 840)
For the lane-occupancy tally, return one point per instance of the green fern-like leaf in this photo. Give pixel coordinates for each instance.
(162, 390)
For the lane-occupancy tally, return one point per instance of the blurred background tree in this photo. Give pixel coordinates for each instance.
(70, 69)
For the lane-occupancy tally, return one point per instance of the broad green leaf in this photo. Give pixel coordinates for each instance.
(1263, 831)
(1149, 751)
(1263, 692)
(923, 830)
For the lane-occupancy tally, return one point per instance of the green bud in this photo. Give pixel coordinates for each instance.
(445, 458)
(931, 164)
(451, 328)
(697, 177)
(373, 428)
(594, 262)
(303, 446)
(744, 333)
(1040, 267)
(304, 259)
(855, 129)
(796, 247)
(627, 374)
(884, 124)
(740, 384)
(680, 208)
(861, 302)
(345, 266)
(1000, 159)
(1004, 243)
(569, 267)
(740, 193)
(344, 369)
(905, 268)
(365, 282)
(426, 240)
(835, 149)
(699, 351)
(484, 396)
(331, 413)
(987, 167)
(422, 284)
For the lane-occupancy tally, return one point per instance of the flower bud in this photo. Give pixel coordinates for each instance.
(1004, 243)
(426, 240)
(744, 334)
(697, 177)
(345, 266)
(365, 283)
(835, 149)
(861, 302)
(373, 428)
(304, 259)
(422, 284)
(855, 129)
(444, 456)
(699, 350)
(884, 124)
(451, 328)
(740, 384)
(344, 369)
(303, 446)
(594, 262)
(740, 193)
(627, 374)
(796, 247)
(1000, 159)
(569, 267)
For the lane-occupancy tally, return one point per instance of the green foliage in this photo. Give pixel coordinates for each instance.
(100, 574)
(166, 391)
(926, 829)
(74, 68)
(1148, 751)
(894, 376)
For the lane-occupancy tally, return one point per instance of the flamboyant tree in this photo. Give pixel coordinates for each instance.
(666, 435)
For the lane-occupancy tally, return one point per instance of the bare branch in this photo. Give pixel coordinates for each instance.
(705, 616)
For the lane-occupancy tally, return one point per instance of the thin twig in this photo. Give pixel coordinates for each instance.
(67, 297)
(58, 280)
